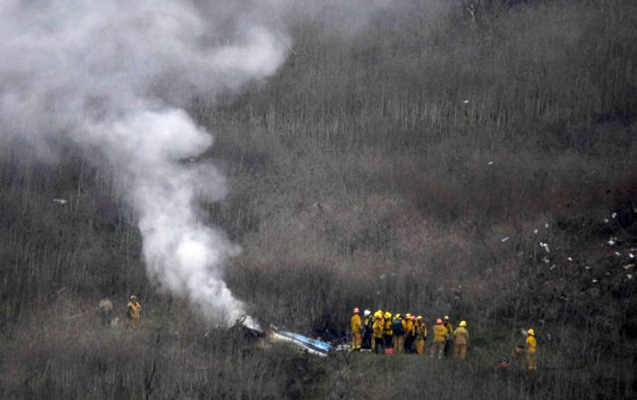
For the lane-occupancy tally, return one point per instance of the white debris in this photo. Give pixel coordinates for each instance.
(612, 241)
(546, 260)
(606, 220)
(614, 215)
(382, 276)
(60, 201)
(617, 254)
(545, 246)
(608, 274)
(594, 281)
(629, 266)
(490, 163)
(505, 239)
(535, 231)
(629, 276)
(570, 259)
(466, 101)
(587, 267)
(630, 255)
(553, 267)
(546, 226)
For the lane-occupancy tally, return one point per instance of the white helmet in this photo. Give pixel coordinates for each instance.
(367, 313)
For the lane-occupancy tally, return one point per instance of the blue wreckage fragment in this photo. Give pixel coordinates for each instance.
(313, 346)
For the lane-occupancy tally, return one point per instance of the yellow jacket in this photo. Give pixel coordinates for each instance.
(449, 329)
(420, 330)
(357, 324)
(378, 327)
(388, 330)
(531, 344)
(440, 334)
(134, 309)
(461, 336)
(409, 327)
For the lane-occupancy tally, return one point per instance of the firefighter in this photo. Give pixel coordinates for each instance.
(398, 329)
(357, 330)
(410, 334)
(105, 307)
(368, 322)
(389, 334)
(531, 348)
(449, 338)
(134, 311)
(440, 338)
(420, 331)
(377, 332)
(460, 341)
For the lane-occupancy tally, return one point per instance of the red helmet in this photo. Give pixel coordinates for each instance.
(439, 321)
(356, 310)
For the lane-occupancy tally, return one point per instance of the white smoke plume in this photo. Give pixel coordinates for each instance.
(112, 77)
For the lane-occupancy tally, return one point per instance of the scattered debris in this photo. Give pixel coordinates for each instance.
(594, 281)
(570, 259)
(545, 246)
(505, 239)
(614, 215)
(466, 101)
(546, 260)
(60, 201)
(490, 163)
(629, 266)
(612, 241)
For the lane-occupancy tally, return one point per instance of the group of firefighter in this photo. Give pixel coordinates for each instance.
(384, 333)
(133, 312)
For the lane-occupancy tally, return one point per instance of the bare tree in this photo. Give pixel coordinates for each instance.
(472, 7)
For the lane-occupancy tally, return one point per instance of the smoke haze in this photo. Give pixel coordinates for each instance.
(112, 78)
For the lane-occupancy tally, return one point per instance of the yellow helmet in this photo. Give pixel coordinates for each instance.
(398, 315)
(419, 317)
(531, 332)
(387, 314)
(408, 315)
(377, 314)
(463, 323)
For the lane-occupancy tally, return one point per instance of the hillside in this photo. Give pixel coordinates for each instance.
(482, 167)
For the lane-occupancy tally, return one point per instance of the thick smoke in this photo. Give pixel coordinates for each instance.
(112, 78)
